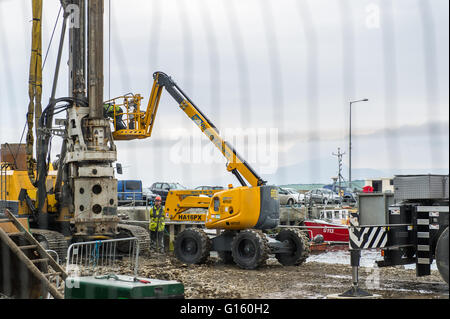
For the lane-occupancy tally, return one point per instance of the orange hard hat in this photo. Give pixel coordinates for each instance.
(158, 198)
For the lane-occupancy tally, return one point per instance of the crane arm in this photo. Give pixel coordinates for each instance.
(34, 87)
(236, 164)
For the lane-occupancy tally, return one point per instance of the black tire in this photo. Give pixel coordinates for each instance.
(192, 246)
(442, 255)
(249, 249)
(301, 249)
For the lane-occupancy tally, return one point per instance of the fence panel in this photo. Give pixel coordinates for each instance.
(101, 257)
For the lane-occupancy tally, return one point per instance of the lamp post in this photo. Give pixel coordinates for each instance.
(350, 144)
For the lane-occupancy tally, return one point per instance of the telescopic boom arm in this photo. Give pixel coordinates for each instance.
(236, 164)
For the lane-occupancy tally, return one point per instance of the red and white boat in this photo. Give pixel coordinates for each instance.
(331, 228)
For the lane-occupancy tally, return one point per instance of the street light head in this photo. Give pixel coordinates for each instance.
(355, 101)
(350, 143)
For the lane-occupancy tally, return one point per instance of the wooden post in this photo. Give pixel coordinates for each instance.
(171, 236)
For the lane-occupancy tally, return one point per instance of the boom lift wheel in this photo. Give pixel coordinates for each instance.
(249, 249)
(442, 255)
(300, 247)
(192, 246)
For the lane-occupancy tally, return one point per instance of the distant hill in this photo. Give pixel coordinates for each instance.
(358, 184)
(309, 174)
(322, 171)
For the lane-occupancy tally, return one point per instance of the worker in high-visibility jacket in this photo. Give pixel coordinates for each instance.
(157, 226)
(108, 111)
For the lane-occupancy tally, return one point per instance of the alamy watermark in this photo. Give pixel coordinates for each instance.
(373, 279)
(373, 16)
(73, 276)
(72, 11)
(258, 146)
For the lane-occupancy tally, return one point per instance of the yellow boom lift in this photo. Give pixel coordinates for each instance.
(242, 212)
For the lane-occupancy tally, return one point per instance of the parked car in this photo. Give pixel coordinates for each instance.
(163, 188)
(295, 193)
(349, 196)
(209, 187)
(301, 198)
(129, 191)
(335, 198)
(322, 196)
(311, 197)
(286, 197)
(148, 195)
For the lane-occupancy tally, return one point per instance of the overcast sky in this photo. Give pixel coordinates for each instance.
(286, 65)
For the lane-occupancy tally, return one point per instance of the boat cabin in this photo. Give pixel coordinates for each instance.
(335, 216)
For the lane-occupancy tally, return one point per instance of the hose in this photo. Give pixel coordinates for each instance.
(44, 144)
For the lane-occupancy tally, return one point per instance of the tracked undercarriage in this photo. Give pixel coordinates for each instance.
(52, 240)
(142, 235)
(55, 241)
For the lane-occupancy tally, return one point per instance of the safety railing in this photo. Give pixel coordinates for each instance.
(3, 185)
(54, 278)
(134, 199)
(102, 257)
(126, 112)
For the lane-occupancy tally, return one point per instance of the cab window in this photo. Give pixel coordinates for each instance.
(216, 204)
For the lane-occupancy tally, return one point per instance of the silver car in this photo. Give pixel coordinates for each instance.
(334, 198)
(299, 197)
(322, 196)
(286, 197)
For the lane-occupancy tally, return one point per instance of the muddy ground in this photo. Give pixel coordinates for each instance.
(311, 280)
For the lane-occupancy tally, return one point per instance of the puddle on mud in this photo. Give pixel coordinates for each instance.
(406, 286)
(342, 257)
